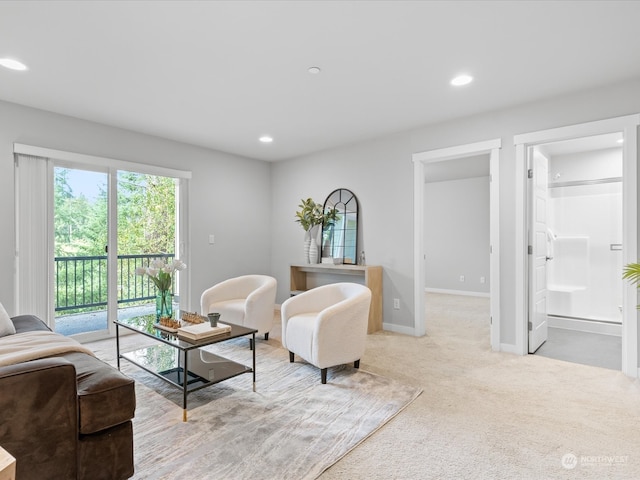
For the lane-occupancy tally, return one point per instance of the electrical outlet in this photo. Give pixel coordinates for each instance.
(483, 280)
(462, 278)
(212, 239)
(396, 303)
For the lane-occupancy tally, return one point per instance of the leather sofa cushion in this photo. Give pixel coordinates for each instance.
(106, 397)
(106, 455)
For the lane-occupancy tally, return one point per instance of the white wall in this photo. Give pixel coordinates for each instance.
(589, 165)
(229, 195)
(457, 234)
(380, 173)
(586, 219)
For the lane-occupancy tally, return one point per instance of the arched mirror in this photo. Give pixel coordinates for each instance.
(340, 229)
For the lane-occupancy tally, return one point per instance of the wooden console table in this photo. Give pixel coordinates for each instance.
(370, 274)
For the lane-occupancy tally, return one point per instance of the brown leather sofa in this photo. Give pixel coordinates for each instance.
(66, 416)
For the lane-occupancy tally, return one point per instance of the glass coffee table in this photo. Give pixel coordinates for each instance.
(182, 363)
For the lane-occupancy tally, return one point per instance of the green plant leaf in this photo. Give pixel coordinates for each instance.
(631, 272)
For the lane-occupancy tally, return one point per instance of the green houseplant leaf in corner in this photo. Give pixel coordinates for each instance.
(631, 272)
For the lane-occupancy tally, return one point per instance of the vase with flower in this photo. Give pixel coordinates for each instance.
(311, 217)
(161, 274)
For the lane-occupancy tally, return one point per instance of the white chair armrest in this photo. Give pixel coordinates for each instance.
(314, 300)
(262, 300)
(226, 290)
(344, 322)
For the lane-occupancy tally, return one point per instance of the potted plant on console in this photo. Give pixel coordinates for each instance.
(311, 217)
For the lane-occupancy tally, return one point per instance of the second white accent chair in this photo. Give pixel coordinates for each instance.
(327, 325)
(248, 300)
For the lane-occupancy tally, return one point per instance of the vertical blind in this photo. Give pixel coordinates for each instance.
(33, 259)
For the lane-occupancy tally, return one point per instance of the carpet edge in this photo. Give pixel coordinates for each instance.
(418, 392)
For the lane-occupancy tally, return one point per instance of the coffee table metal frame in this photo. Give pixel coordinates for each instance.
(174, 372)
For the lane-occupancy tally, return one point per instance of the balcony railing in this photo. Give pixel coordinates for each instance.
(81, 282)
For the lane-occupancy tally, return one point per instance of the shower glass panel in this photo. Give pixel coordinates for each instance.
(585, 235)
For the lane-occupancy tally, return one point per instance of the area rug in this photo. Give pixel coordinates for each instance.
(292, 427)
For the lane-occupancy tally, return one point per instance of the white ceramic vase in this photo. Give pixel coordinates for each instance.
(307, 245)
(313, 251)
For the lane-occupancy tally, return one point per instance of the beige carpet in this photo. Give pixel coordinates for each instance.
(292, 427)
(487, 415)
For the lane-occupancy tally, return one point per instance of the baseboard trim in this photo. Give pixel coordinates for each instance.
(577, 325)
(457, 292)
(390, 327)
(509, 348)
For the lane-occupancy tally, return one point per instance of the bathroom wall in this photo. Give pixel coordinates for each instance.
(586, 221)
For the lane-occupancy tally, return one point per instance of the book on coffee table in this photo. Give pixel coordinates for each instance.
(202, 330)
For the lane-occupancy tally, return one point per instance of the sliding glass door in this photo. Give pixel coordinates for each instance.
(80, 272)
(146, 231)
(100, 229)
(83, 224)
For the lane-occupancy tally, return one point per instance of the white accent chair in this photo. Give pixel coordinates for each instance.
(327, 325)
(248, 300)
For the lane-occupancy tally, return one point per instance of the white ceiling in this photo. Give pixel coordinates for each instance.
(220, 74)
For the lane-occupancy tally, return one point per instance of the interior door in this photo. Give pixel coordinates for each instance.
(538, 257)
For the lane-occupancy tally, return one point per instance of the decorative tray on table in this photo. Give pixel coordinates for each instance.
(168, 325)
(193, 317)
(172, 325)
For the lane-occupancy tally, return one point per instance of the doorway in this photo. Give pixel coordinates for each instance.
(457, 231)
(421, 161)
(537, 247)
(582, 229)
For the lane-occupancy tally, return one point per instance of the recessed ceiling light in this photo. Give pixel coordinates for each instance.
(314, 70)
(12, 64)
(266, 139)
(461, 80)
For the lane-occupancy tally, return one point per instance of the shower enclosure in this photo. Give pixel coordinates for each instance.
(584, 238)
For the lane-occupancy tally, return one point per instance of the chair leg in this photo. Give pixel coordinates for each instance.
(323, 375)
(291, 357)
(356, 364)
(266, 336)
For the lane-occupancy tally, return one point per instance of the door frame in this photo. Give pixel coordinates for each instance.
(628, 125)
(491, 147)
(111, 166)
